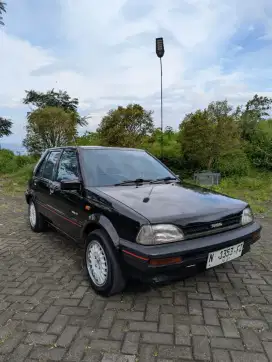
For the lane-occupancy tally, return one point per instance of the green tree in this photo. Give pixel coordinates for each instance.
(49, 127)
(260, 146)
(196, 141)
(52, 98)
(209, 134)
(171, 147)
(255, 110)
(2, 10)
(126, 126)
(88, 139)
(5, 127)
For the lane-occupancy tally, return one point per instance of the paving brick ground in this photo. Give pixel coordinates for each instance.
(48, 312)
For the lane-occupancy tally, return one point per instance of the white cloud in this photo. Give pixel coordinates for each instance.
(110, 59)
(18, 59)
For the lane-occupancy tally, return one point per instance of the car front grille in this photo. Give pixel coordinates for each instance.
(212, 227)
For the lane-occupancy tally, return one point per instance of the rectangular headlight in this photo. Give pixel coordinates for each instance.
(159, 234)
(247, 216)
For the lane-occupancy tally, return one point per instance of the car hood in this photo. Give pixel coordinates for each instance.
(175, 202)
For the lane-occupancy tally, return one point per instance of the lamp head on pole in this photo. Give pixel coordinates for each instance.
(159, 47)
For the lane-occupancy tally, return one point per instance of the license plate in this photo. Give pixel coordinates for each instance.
(222, 256)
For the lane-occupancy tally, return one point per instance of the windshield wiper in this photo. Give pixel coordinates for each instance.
(137, 181)
(165, 179)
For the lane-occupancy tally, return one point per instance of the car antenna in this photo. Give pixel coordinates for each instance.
(146, 199)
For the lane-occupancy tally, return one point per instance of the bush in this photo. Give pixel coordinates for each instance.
(25, 173)
(6, 153)
(21, 161)
(259, 148)
(233, 164)
(9, 162)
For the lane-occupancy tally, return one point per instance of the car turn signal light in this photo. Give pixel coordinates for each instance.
(256, 236)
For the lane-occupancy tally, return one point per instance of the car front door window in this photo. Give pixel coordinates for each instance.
(68, 167)
(39, 171)
(50, 166)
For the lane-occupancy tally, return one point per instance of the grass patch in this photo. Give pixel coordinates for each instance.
(256, 189)
(16, 182)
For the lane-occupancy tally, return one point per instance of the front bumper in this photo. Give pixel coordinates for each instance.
(137, 258)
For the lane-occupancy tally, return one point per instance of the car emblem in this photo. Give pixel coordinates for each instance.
(217, 225)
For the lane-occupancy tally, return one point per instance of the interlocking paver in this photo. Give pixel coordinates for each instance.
(131, 343)
(47, 353)
(211, 317)
(67, 336)
(106, 346)
(248, 357)
(210, 331)
(158, 338)
(166, 323)
(39, 338)
(48, 310)
(118, 329)
(182, 335)
(201, 348)
(59, 324)
(227, 343)
(152, 313)
(77, 349)
(229, 328)
(135, 316)
(251, 340)
(20, 353)
(175, 352)
(143, 326)
(219, 355)
(147, 353)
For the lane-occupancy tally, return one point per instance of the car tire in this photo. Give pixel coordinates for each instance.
(102, 264)
(36, 220)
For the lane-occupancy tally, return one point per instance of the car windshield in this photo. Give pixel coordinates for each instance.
(107, 167)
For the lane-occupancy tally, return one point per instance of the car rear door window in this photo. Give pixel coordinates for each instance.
(68, 166)
(50, 165)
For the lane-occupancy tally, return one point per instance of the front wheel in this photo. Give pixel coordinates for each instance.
(36, 220)
(102, 264)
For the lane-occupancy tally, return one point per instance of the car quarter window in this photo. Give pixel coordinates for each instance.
(68, 166)
(50, 165)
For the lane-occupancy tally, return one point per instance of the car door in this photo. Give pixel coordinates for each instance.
(70, 203)
(43, 185)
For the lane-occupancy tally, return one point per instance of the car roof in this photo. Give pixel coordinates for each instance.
(95, 148)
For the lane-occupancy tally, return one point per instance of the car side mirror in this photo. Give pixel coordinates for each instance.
(70, 185)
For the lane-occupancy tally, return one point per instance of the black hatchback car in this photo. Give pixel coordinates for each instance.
(135, 217)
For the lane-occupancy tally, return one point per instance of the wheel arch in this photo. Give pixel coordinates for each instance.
(101, 222)
(29, 195)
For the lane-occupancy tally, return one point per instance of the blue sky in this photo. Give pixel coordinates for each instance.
(103, 53)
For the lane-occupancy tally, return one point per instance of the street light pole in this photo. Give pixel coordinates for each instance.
(160, 54)
(161, 113)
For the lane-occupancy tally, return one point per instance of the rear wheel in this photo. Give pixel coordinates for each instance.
(36, 220)
(102, 264)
